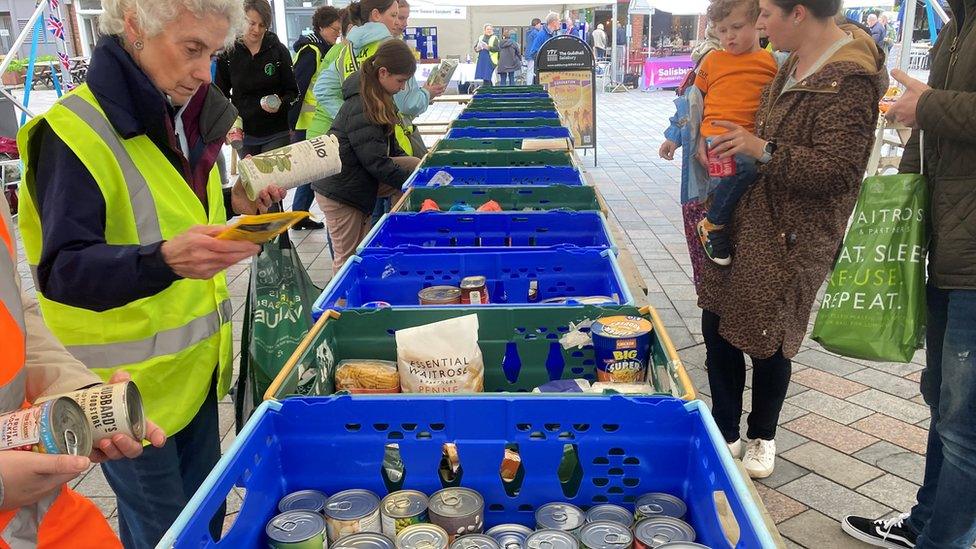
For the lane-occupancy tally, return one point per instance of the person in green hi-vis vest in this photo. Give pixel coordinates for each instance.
(487, 48)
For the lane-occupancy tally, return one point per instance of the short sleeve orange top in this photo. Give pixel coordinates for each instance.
(732, 85)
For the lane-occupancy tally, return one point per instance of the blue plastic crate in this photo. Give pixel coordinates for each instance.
(517, 133)
(487, 232)
(508, 114)
(396, 278)
(622, 447)
(529, 176)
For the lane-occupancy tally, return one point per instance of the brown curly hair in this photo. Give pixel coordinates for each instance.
(720, 9)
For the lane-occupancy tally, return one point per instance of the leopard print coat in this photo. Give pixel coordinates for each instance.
(788, 226)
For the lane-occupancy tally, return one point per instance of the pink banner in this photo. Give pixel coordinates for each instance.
(666, 72)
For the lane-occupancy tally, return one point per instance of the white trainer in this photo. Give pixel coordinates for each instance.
(735, 448)
(760, 458)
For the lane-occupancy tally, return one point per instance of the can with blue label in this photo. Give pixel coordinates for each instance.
(622, 347)
(57, 426)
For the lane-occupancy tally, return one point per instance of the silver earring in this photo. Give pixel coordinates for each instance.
(137, 44)
(796, 23)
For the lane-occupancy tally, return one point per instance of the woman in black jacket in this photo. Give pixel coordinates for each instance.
(258, 78)
(369, 152)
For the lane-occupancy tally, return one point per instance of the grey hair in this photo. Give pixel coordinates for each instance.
(552, 17)
(153, 15)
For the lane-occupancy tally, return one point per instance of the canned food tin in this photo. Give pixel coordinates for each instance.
(551, 539)
(559, 516)
(401, 509)
(376, 305)
(422, 536)
(440, 295)
(606, 534)
(303, 500)
(460, 511)
(112, 409)
(658, 504)
(352, 512)
(621, 345)
(475, 541)
(57, 426)
(474, 290)
(719, 167)
(364, 540)
(510, 536)
(656, 531)
(296, 530)
(613, 513)
(683, 545)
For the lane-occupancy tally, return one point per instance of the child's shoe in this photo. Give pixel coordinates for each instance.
(715, 241)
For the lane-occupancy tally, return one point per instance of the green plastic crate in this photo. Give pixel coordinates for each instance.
(530, 334)
(507, 123)
(471, 144)
(496, 159)
(553, 197)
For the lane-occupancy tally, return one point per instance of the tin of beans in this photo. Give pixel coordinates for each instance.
(296, 530)
(57, 426)
(475, 541)
(460, 511)
(401, 509)
(112, 409)
(605, 534)
(551, 539)
(510, 536)
(303, 500)
(654, 532)
(559, 516)
(352, 512)
(365, 540)
(422, 536)
(613, 513)
(658, 504)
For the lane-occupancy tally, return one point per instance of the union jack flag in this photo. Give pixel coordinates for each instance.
(65, 60)
(56, 27)
(53, 4)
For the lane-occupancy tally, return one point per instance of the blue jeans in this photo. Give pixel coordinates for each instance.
(506, 78)
(945, 515)
(154, 488)
(730, 189)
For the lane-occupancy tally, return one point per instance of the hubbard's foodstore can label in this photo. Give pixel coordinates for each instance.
(296, 530)
(112, 409)
(352, 512)
(622, 346)
(57, 426)
(402, 509)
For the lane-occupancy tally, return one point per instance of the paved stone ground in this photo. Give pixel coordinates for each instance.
(853, 432)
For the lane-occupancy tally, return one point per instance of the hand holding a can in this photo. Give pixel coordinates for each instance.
(30, 476)
(121, 446)
(736, 140)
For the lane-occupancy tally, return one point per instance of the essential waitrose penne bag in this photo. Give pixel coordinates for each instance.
(443, 357)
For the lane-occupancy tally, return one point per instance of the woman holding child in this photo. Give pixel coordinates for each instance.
(813, 132)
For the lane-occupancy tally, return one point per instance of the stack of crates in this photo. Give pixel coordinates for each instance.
(550, 263)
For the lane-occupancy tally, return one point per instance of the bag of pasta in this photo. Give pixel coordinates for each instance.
(361, 376)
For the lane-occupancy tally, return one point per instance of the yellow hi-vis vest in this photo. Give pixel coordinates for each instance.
(348, 64)
(170, 342)
(307, 113)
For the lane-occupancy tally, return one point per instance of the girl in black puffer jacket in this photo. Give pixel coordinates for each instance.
(372, 162)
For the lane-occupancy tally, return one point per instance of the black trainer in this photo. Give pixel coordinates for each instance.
(893, 533)
(308, 224)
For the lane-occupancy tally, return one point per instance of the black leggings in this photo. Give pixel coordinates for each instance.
(727, 380)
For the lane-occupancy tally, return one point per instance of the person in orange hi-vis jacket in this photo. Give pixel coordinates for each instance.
(37, 509)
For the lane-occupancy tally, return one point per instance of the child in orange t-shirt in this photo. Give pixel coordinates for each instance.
(732, 81)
